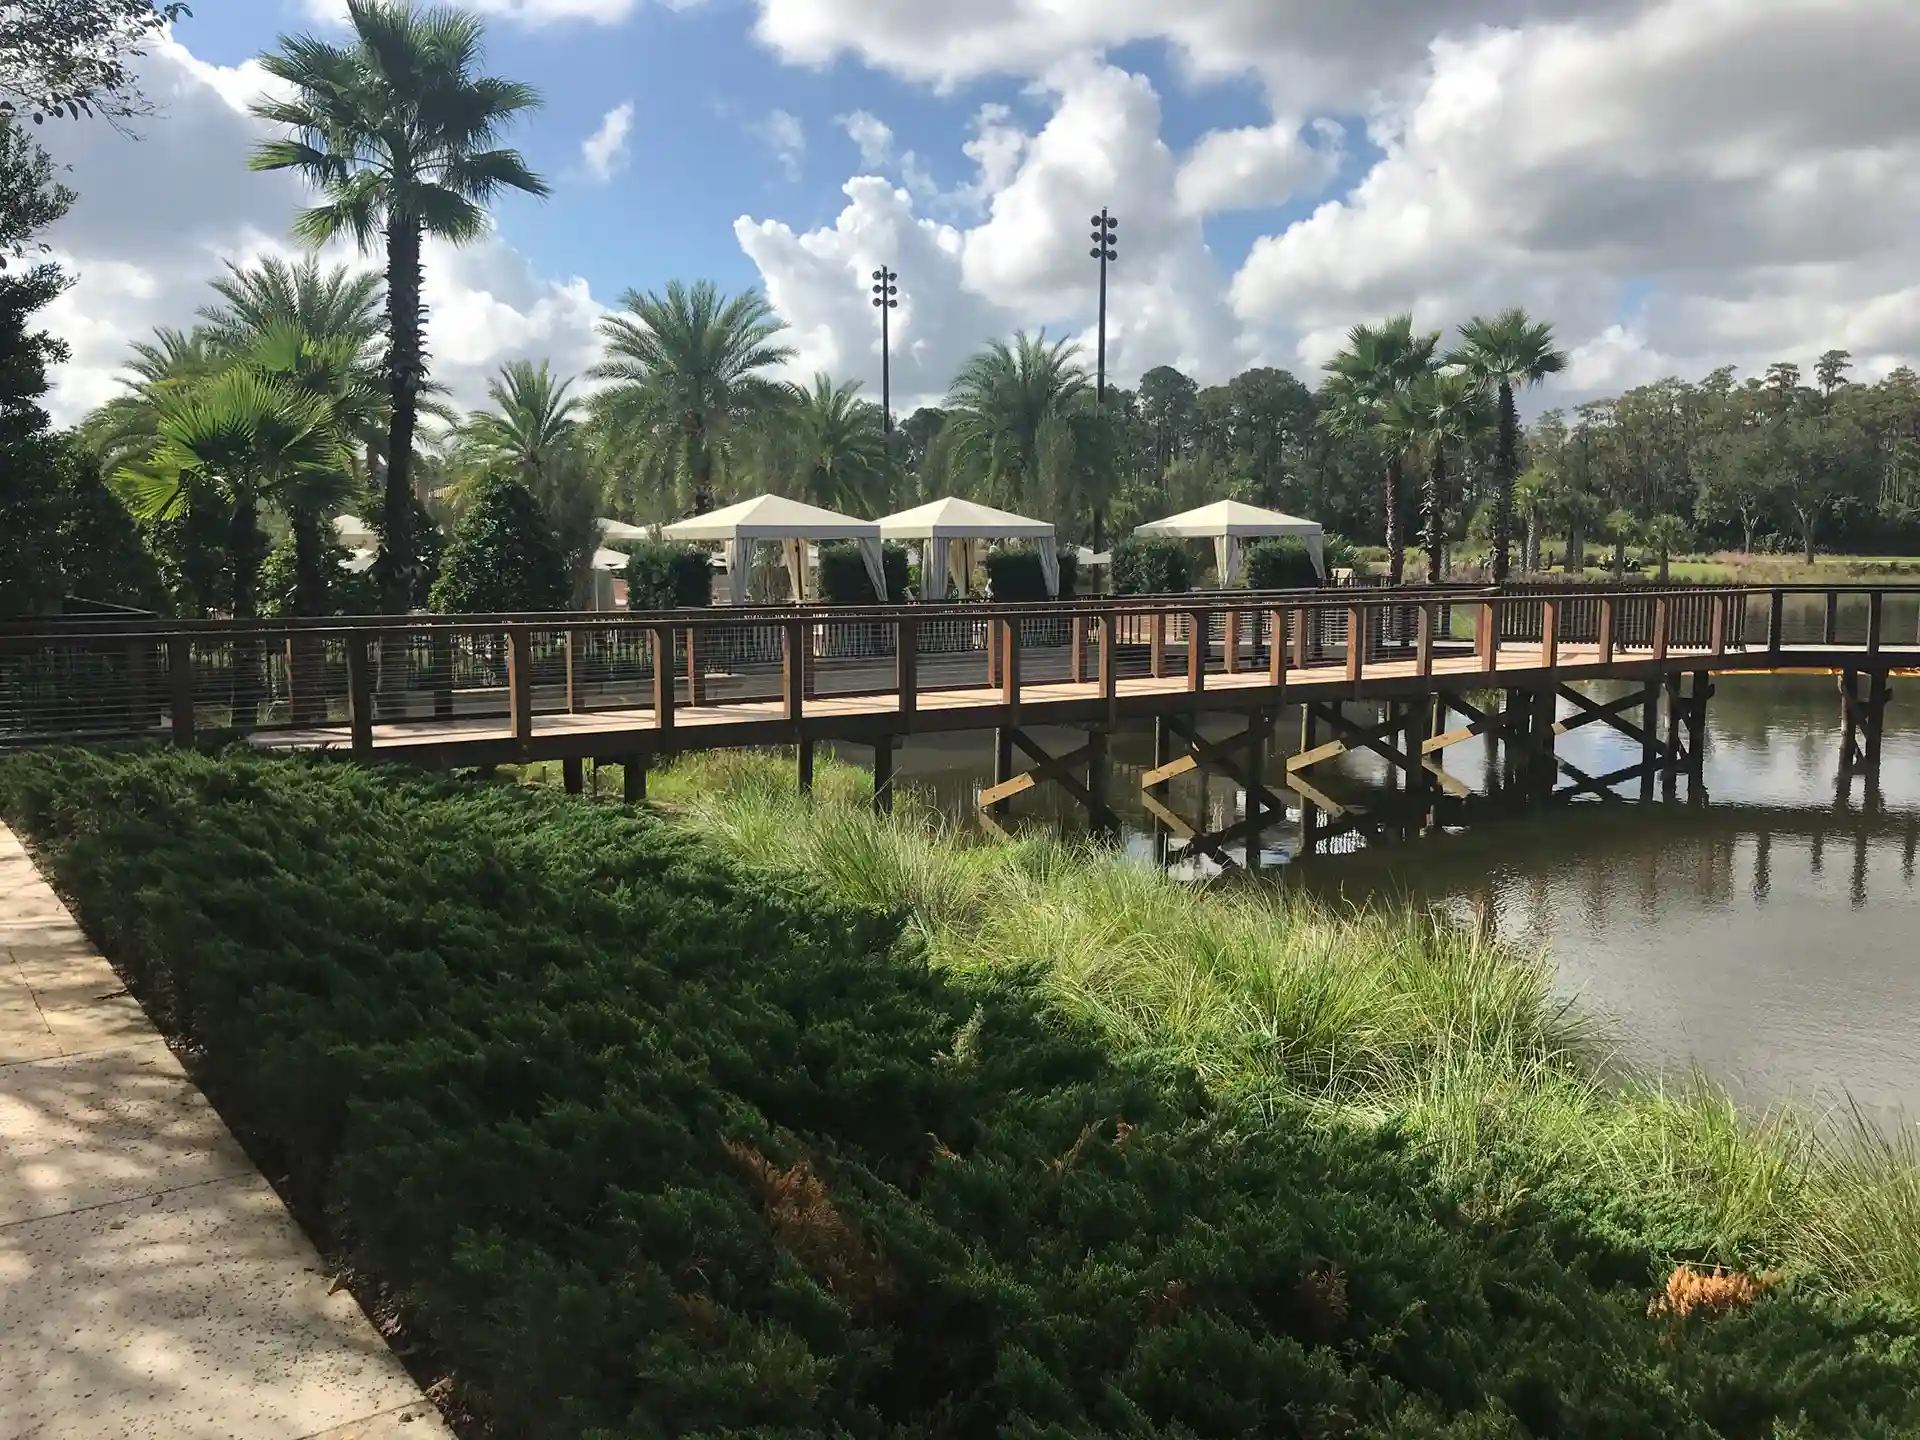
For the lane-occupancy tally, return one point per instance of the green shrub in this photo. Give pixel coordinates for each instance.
(1280, 564)
(503, 557)
(1152, 565)
(843, 574)
(1017, 577)
(664, 576)
(637, 1143)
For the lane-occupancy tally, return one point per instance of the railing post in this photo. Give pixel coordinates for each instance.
(1356, 643)
(1010, 666)
(1277, 649)
(440, 648)
(1776, 621)
(1550, 632)
(1662, 616)
(1076, 646)
(360, 693)
(1831, 623)
(1157, 645)
(1232, 642)
(574, 707)
(1109, 663)
(1423, 640)
(520, 682)
(696, 680)
(1197, 647)
(793, 667)
(906, 666)
(180, 686)
(1603, 638)
(663, 678)
(1876, 606)
(1486, 636)
(1717, 624)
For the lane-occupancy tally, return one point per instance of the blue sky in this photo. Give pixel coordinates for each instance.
(702, 87)
(1611, 165)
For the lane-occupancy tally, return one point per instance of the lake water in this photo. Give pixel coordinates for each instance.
(1764, 931)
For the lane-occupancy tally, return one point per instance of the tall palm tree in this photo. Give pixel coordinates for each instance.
(396, 130)
(1501, 354)
(837, 448)
(1015, 422)
(687, 370)
(1379, 367)
(335, 302)
(1437, 416)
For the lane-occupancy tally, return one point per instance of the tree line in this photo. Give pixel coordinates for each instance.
(210, 484)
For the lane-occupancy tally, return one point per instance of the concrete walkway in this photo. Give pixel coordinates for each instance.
(151, 1283)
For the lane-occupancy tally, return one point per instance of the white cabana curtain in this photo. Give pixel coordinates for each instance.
(1050, 564)
(1228, 553)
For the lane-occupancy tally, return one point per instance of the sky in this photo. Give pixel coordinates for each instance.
(1673, 184)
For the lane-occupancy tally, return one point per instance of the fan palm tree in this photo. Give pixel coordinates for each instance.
(396, 130)
(1015, 420)
(1437, 416)
(838, 455)
(687, 370)
(1379, 366)
(1501, 354)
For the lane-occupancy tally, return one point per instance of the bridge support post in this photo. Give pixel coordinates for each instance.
(633, 778)
(573, 772)
(1002, 764)
(804, 758)
(1670, 772)
(1100, 782)
(1649, 728)
(1697, 733)
(1309, 812)
(1258, 723)
(883, 775)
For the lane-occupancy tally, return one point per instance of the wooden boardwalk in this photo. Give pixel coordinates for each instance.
(453, 691)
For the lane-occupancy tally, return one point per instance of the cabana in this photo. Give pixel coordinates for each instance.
(615, 531)
(1230, 523)
(790, 522)
(953, 530)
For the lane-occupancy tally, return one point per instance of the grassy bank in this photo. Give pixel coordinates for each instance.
(1374, 1019)
(627, 1141)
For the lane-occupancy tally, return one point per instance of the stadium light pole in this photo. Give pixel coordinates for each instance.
(1104, 250)
(884, 291)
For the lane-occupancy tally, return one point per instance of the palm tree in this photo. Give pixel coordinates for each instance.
(1016, 427)
(533, 421)
(1439, 414)
(838, 448)
(686, 367)
(1502, 354)
(396, 131)
(1380, 365)
(124, 430)
(337, 302)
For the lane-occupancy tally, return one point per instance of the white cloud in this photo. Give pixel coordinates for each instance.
(157, 216)
(605, 151)
(787, 138)
(871, 134)
(1024, 263)
(527, 12)
(1258, 167)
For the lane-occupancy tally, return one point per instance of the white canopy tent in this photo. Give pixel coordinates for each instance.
(792, 523)
(954, 529)
(1230, 523)
(613, 531)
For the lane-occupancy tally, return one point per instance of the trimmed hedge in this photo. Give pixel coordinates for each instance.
(1151, 565)
(664, 576)
(1282, 564)
(636, 1144)
(1016, 575)
(844, 579)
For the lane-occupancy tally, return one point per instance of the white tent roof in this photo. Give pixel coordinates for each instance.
(620, 530)
(604, 559)
(957, 519)
(1088, 558)
(772, 517)
(1229, 518)
(353, 531)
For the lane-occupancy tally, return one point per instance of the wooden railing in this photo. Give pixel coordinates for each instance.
(111, 677)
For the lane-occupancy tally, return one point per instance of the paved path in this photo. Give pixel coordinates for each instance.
(151, 1283)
